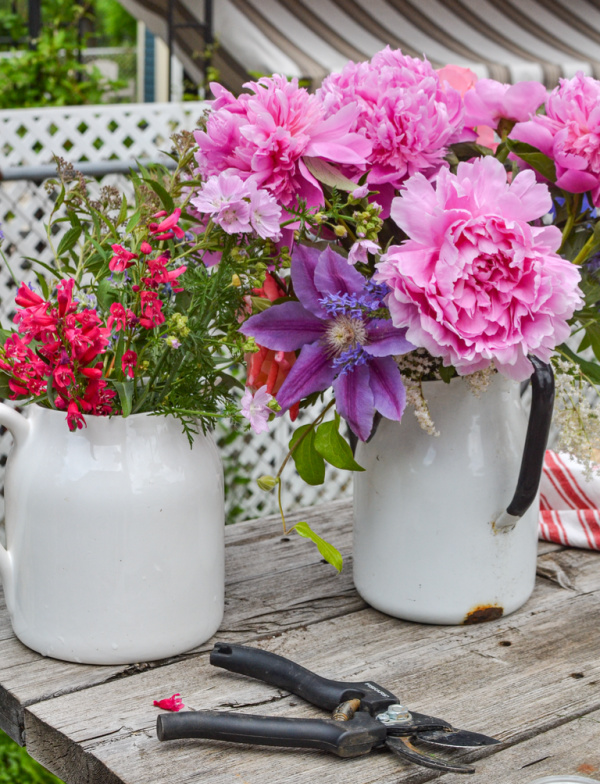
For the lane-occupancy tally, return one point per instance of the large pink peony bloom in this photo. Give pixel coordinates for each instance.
(490, 101)
(265, 135)
(406, 111)
(569, 133)
(475, 283)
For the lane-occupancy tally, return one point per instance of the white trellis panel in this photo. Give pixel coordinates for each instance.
(30, 137)
(93, 133)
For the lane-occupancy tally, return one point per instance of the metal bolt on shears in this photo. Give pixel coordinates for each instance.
(365, 715)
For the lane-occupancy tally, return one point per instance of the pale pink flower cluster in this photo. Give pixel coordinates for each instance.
(264, 136)
(255, 408)
(406, 112)
(238, 206)
(569, 133)
(475, 283)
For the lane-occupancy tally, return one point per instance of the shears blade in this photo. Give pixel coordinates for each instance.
(457, 739)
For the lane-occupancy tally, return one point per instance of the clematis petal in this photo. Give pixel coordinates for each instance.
(312, 372)
(355, 400)
(304, 264)
(334, 276)
(387, 387)
(386, 339)
(284, 327)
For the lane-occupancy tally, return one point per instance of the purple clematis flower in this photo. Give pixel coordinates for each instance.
(342, 341)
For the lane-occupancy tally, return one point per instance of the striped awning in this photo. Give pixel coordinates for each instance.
(508, 40)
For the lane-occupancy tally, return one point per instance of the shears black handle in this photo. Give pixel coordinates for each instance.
(285, 674)
(343, 738)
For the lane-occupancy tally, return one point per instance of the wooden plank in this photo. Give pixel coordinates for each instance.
(571, 749)
(515, 678)
(256, 553)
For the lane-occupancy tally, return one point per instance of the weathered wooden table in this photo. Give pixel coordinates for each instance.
(531, 679)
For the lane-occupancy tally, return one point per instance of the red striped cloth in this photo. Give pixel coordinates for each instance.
(569, 504)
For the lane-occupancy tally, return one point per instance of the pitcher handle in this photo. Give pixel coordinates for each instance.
(15, 422)
(536, 440)
(19, 427)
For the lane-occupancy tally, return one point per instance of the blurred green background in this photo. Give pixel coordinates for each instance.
(17, 767)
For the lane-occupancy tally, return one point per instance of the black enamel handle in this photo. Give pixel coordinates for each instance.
(536, 440)
(285, 674)
(343, 738)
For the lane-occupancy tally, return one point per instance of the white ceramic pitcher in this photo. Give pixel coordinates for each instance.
(437, 538)
(115, 537)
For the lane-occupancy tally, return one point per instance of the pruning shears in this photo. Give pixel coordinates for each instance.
(366, 716)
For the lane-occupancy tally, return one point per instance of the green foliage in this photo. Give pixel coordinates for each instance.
(166, 323)
(113, 24)
(328, 551)
(309, 463)
(50, 74)
(17, 767)
(333, 447)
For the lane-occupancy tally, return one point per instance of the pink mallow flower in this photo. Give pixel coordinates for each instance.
(358, 252)
(266, 134)
(239, 206)
(174, 703)
(569, 133)
(475, 283)
(255, 407)
(405, 111)
(490, 101)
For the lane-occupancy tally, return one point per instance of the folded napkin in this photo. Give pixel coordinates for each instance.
(569, 503)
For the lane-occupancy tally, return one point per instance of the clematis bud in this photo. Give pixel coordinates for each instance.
(267, 482)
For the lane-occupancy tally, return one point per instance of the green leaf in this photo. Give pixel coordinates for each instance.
(334, 447)
(591, 338)
(133, 221)
(125, 391)
(69, 240)
(589, 369)
(536, 159)
(447, 373)
(43, 285)
(5, 390)
(106, 295)
(328, 174)
(162, 194)
(309, 463)
(328, 551)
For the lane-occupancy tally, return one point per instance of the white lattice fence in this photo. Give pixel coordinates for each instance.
(30, 137)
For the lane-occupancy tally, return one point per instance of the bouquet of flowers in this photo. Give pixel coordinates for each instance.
(431, 225)
(128, 318)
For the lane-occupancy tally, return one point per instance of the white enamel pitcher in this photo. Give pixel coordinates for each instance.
(437, 538)
(115, 537)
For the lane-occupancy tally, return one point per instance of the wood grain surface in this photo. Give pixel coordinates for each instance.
(531, 679)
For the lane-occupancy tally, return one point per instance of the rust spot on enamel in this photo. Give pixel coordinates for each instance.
(483, 613)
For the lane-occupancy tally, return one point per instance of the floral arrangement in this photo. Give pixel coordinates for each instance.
(400, 224)
(128, 318)
(432, 225)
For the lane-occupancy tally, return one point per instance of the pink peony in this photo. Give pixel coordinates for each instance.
(475, 283)
(569, 133)
(405, 111)
(264, 136)
(459, 78)
(490, 101)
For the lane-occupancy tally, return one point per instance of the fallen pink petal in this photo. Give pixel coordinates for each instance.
(173, 703)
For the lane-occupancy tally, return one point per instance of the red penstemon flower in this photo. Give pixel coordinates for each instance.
(128, 363)
(122, 259)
